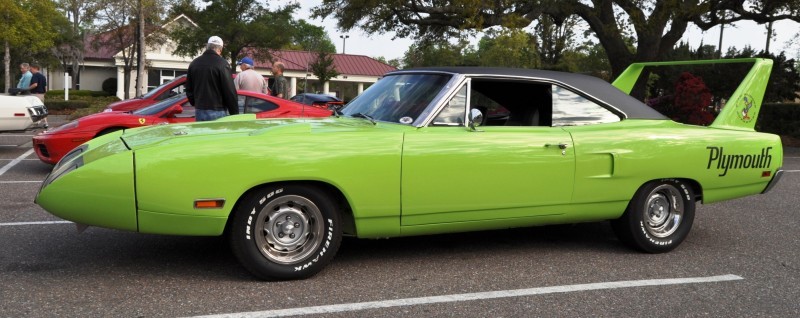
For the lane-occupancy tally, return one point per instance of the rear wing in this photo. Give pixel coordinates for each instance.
(740, 111)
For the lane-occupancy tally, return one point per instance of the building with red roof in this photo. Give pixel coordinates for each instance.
(102, 62)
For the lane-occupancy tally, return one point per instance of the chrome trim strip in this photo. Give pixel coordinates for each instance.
(439, 103)
(774, 181)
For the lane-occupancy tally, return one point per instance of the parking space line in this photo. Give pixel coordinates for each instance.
(478, 296)
(791, 170)
(35, 223)
(15, 162)
(3, 182)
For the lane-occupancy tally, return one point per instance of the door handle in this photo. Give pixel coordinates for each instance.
(559, 145)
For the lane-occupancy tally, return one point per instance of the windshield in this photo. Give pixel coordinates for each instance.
(160, 106)
(152, 92)
(398, 98)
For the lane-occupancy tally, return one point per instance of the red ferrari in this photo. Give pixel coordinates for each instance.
(51, 145)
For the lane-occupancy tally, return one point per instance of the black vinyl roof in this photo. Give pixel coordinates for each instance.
(590, 86)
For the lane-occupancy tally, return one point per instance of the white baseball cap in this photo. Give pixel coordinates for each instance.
(215, 40)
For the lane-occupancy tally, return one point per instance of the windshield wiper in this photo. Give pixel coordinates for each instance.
(362, 115)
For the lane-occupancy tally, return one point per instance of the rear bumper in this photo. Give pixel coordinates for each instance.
(774, 181)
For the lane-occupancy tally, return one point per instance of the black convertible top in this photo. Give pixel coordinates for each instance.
(591, 86)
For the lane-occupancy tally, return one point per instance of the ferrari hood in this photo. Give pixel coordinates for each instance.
(175, 133)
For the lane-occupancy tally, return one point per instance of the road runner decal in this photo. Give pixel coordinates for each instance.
(744, 106)
(738, 161)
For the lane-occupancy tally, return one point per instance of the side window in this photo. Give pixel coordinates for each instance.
(172, 92)
(454, 112)
(570, 109)
(257, 105)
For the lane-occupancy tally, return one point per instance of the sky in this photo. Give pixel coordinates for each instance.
(741, 34)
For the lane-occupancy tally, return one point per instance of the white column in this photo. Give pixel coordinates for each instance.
(292, 87)
(360, 88)
(120, 83)
(326, 87)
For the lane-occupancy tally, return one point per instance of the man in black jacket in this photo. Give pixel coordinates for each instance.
(209, 85)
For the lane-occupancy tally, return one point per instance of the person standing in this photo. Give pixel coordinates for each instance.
(38, 82)
(25, 80)
(281, 89)
(209, 84)
(248, 79)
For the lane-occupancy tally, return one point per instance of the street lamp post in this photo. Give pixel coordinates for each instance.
(344, 42)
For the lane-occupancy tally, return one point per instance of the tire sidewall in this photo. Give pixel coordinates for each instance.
(244, 245)
(643, 239)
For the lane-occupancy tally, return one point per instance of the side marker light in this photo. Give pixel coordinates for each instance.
(766, 174)
(209, 203)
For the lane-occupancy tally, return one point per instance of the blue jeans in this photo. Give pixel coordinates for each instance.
(208, 114)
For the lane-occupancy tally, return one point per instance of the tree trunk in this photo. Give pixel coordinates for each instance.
(7, 65)
(140, 57)
(769, 36)
(127, 81)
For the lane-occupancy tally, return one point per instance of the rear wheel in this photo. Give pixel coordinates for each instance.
(285, 232)
(658, 217)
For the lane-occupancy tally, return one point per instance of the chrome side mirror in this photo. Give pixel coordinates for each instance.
(475, 118)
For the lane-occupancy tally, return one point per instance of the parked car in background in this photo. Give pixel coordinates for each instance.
(318, 100)
(414, 155)
(166, 90)
(19, 113)
(52, 145)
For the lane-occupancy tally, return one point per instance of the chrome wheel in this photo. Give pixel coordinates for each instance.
(289, 229)
(663, 211)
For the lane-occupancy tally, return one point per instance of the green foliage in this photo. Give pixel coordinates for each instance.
(396, 63)
(323, 67)
(57, 105)
(80, 104)
(29, 23)
(110, 86)
(59, 93)
(245, 26)
(780, 119)
(309, 37)
(436, 54)
(509, 48)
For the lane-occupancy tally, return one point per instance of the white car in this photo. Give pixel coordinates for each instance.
(19, 113)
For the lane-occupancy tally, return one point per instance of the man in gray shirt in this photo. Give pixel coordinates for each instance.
(248, 79)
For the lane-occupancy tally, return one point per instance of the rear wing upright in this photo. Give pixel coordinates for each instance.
(741, 109)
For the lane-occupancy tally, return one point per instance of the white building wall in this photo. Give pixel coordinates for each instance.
(92, 77)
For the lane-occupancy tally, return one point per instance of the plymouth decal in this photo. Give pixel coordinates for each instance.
(738, 161)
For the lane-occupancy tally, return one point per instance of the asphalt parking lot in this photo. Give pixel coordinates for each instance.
(742, 259)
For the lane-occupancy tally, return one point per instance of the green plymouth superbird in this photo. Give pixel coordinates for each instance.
(425, 151)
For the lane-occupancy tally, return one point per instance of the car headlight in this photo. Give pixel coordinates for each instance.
(61, 170)
(70, 155)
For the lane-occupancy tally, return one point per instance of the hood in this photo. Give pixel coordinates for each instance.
(152, 135)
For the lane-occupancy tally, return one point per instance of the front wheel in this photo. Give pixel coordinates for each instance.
(658, 217)
(285, 232)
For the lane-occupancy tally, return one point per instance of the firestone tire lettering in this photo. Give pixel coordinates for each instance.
(289, 232)
(658, 218)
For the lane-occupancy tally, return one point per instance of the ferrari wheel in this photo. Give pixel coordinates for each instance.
(285, 232)
(658, 217)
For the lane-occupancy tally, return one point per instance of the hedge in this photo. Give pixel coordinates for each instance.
(73, 92)
(780, 119)
(60, 104)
